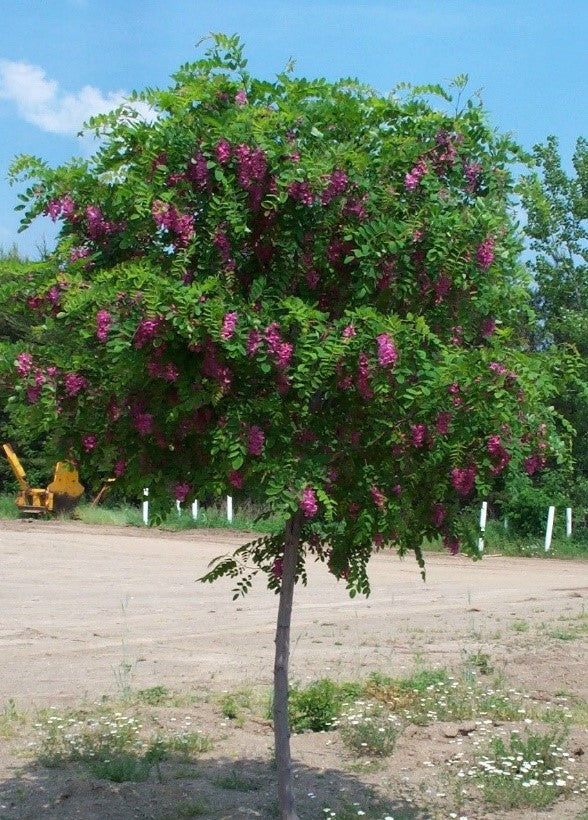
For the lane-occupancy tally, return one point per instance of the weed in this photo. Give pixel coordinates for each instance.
(154, 696)
(369, 730)
(528, 770)
(520, 626)
(236, 782)
(10, 719)
(316, 707)
(190, 808)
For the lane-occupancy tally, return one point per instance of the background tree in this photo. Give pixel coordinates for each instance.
(557, 224)
(300, 289)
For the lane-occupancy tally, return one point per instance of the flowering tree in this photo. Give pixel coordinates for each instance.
(301, 289)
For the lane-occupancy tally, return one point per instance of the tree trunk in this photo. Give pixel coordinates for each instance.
(286, 801)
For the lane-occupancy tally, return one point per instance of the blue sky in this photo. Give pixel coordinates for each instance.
(64, 60)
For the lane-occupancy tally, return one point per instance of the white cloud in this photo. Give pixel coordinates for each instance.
(40, 101)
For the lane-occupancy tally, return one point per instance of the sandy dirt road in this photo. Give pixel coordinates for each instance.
(84, 610)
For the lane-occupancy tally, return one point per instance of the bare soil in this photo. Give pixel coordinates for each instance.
(86, 612)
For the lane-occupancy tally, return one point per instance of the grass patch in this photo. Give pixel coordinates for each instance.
(369, 730)
(234, 781)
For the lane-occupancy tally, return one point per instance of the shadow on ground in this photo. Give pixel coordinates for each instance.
(219, 789)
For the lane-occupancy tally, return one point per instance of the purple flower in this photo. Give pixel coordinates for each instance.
(236, 479)
(181, 491)
(378, 497)
(24, 363)
(78, 252)
(143, 423)
(387, 353)
(255, 440)
(488, 327)
(485, 253)
(438, 514)
(349, 331)
(74, 383)
(253, 342)
(300, 192)
(120, 468)
(229, 325)
(499, 454)
(442, 423)
(89, 443)
(146, 331)
(223, 151)
(463, 479)
(103, 322)
(241, 97)
(451, 544)
(413, 178)
(419, 435)
(363, 377)
(308, 503)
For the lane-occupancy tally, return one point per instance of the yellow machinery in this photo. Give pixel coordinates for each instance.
(61, 495)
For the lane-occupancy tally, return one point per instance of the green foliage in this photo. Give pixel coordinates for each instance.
(298, 288)
(316, 707)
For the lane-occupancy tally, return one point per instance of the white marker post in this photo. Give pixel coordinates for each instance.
(195, 509)
(569, 522)
(229, 508)
(549, 528)
(179, 507)
(483, 515)
(146, 506)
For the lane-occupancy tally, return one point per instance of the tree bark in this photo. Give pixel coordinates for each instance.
(286, 801)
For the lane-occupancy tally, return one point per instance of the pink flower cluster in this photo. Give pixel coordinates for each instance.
(229, 325)
(308, 503)
(181, 491)
(498, 453)
(98, 226)
(120, 467)
(463, 479)
(78, 252)
(74, 383)
(337, 182)
(223, 151)
(89, 443)
(378, 497)
(387, 353)
(279, 350)
(236, 479)
(103, 322)
(197, 171)
(241, 97)
(485, 253)
(167, 216)
(442, 423)
(534, 463)
(253, 342)
(251, 165)
(143, 422)
(213, 368)
(255, 440)
(413, 178)
(419, 435)
(472, 171)
(221, 240)
(24, 363)
(163, 370)
(146, 331)
(63, 206)
(349, 331)
(300, 192)
(438, 514)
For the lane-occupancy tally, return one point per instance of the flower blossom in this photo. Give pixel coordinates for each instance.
(463, 479)
(387, 353)
(255, 440)
(223, 151)
(241, 97)
(74, 383)
(499, 454)
(349, 331)
(229, 325)
(103, 322)
(438, 514)
(413, 178)
(236, 479)
(308, 503)
(89, 443)
(143, 423)
(363, 377)
(24, 363)
(419, 435)
(485, 253)
(378, 497)
(181, 491)
(442, 423)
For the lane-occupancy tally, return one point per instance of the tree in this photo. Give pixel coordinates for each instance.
(299, 288)
(557, 226)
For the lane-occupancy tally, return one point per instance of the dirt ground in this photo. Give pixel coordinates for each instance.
(87, 612)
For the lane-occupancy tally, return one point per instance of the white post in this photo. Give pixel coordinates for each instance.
(569, 522)
(195, 509)
(146, 506)
(505, 522)
(483, 515)
(549, 528)
(229, 508)
(178, 507)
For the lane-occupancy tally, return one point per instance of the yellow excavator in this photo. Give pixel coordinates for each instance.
(61, 495)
